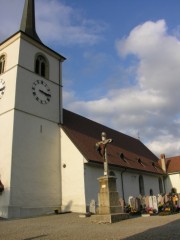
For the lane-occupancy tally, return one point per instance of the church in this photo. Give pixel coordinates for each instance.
(49, 158)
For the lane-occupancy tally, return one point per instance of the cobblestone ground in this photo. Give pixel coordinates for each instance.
(71, 226)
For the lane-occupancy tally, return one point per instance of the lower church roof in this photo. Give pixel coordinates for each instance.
(173, 164)
(124, 151)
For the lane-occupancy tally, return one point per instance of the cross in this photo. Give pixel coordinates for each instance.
(101, 148)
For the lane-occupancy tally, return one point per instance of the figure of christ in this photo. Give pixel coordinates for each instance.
(102, 149)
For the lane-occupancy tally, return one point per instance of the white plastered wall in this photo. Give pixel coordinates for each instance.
(173, 181)
(11, 51)
(130, 183)
(31, 166)
(28, 52)
(151, 182)
(26, 102)
(26, 76)
(35, 176)
(6, 123)
(92, 173)
(73, 188)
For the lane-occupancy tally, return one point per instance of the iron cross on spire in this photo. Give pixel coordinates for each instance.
(102, 149)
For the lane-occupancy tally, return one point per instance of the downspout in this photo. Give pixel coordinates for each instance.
(122, 184)
(60, 94)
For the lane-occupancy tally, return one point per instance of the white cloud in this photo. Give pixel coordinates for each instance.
(55, 22)
(62, 24)
(151, 106)
(143, 39)
(165, 144)
(158, 53)
(68, 97)
(176, 32)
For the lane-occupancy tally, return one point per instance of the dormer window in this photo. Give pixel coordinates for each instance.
(154, 165)
(2, 63)
(123, 157)
(140, 162)
(41, 66)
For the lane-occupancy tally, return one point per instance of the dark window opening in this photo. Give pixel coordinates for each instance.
(37, 66)
(41, 66)
(2, 64)
(160, 186)
(154, 165)
(122, 157)
(151, 192)
(111, 173)
(141, 186)
(140, 162)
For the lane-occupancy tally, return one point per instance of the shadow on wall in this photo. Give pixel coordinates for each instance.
(166, 232)
(67, 207)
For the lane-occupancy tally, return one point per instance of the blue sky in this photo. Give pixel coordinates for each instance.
(123, 62)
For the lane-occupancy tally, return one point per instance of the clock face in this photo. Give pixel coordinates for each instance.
(2, 88)
(41, 91)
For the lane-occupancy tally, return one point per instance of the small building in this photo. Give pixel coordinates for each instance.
(171, 166)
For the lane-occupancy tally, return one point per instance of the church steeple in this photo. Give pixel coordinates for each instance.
(28, 20)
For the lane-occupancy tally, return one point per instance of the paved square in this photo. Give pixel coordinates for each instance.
(71, 226)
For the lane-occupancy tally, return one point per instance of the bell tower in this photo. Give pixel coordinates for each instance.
(30, 113)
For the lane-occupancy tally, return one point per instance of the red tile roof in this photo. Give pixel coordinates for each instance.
(173, 164)
(85, 133)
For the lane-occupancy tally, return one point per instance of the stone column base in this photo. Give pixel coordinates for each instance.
(110, 218)
(108, 196)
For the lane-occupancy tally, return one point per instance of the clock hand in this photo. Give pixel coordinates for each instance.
(1, 89)
(46, 94)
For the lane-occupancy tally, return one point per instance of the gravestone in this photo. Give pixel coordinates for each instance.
(92, 206)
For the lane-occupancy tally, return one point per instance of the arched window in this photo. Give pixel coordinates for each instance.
(160, 185)
(41, 66)
(141, 186)
(151, 192)
(2, 63)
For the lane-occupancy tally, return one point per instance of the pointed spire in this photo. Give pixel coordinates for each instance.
(28, 20)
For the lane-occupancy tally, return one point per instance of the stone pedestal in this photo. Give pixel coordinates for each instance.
(108, 196)
(109, 206)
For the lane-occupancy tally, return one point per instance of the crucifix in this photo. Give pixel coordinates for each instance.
(101, 148)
